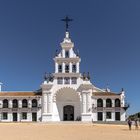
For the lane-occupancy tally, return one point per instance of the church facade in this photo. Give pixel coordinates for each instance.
(65, 95)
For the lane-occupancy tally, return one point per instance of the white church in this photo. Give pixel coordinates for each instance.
(65, 95)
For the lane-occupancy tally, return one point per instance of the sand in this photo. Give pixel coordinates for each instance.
(66, 131)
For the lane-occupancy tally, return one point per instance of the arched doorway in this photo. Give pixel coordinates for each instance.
(67, 106)
(68, 113)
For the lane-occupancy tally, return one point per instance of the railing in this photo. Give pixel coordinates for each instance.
(126, 106)
(107, 108)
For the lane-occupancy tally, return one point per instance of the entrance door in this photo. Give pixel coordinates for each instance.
(15, 117)
(34, 117)
(68, 113)
(117, 116)
(100, 116)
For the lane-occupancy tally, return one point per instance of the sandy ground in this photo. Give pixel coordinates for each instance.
(66, 131)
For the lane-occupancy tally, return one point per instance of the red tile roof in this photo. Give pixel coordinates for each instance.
(105, 94)
(18, 93)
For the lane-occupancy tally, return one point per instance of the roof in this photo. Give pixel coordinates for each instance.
(20, 93)
(105, 94)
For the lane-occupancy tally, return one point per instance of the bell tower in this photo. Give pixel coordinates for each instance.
(67, 62)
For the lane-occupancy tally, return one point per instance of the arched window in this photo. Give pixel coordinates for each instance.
(99, 103)
(108, 103)
(5, 103)
(117, 103)
(34, 103)
(24, 103)
(15, 103)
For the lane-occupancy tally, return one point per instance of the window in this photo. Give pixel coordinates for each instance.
(24, 103)
(67, 68)
(34, 103)
(108, 115)
(67, 80)
(15, 103)
(5, 103)
(74, 68)
(117, 103)
(59, 68)
(24, 115)
(108, 103)
(60, 80)
(99, 103)
(4, 115)
(67, 54)
(73, 80)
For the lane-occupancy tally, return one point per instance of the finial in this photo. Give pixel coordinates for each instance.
(67, 20)
(45, 76)
(122, 89)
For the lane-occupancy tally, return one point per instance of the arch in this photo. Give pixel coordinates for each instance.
(24, 103)
(108, 103)
(15, 103)
(5, 103)
(34, 103)
(117, 102)
(67, 98)
(100, 103)
(60, 90)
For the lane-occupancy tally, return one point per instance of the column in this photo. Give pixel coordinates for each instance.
(77, 67)
(83, 103)
(104, 116)
(20, 103)
(49, 103)
(113, 103)
(56, 67)
(63, 67)
(113, 115)
(70, 67)
(71, 52)
(10, 103)
(1, 104)
(44, 102)
(104, 103)
(63, 53)
(88, 106)
(29, 103)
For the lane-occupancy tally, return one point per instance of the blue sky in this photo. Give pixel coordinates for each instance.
(106, 32)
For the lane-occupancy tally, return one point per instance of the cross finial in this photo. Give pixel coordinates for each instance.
(67, 20)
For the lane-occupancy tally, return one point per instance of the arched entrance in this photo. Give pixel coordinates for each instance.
(67, 106)
(68, 113)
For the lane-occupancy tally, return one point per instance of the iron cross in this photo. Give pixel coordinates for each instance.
(67, 20)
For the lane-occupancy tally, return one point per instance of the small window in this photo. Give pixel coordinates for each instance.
(34, 103)
(24, 103)
(4, 115)
(59, 68)
(67, 54)
(15, 103)
(67, 80)
(108, 115)
(24, 115)
(108, 103)
(60, 81)
(73, 80)
(67, 68)
(99, 103)
(74, 68)
(5, 103)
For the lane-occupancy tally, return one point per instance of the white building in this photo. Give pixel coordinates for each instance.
(65, 95)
